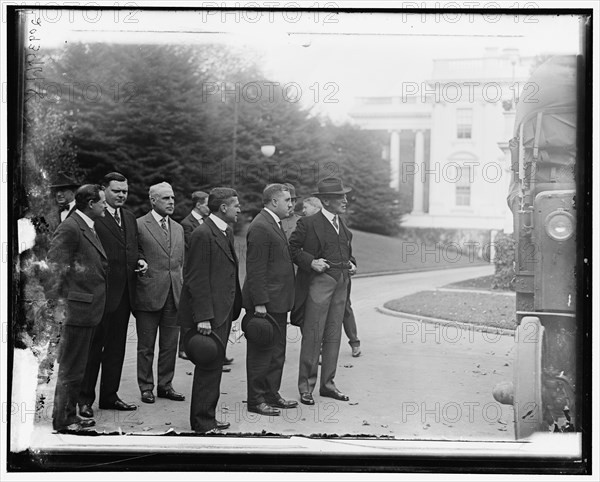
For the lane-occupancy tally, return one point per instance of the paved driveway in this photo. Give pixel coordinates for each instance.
(413, 381)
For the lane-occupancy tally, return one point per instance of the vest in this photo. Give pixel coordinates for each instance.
(336, 250)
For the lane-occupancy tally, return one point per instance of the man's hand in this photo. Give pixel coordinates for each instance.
(142, 267)
(352, 269)
(260, 309)
(319, 265)
(204, 327)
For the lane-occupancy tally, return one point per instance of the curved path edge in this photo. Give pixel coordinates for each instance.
(440, 321)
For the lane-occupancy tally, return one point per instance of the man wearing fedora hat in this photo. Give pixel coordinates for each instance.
(321, 246)
(63, 188)
(211, 299)
(268, 288)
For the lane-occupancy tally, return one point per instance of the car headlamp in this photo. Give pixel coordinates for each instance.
(560, 225)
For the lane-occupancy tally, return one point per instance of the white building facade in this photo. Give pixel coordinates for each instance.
(455, 128)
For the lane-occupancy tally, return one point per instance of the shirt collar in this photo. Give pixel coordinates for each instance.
(328, 215)
(158, 217)
(222, 225)
(111, 210)
(86, 218)
(197, 216)
(275, 217)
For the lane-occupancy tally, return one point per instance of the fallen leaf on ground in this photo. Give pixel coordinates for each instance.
(348, 366)
(352, 403)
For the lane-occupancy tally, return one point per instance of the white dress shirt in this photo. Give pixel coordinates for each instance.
(197, 217)
(330, 217)
(64, 213)
(87, 219)
(159, 218)
(222, 225)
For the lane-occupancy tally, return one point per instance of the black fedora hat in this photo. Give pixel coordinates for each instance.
(258, 329)
(63, 180)
(331, 185)
(207, 352)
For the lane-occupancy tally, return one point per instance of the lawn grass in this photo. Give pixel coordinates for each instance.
(482, 283)
(493, 310)
(376, 253)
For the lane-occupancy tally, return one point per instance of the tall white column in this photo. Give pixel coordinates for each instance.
(419, 177)
(395, 160)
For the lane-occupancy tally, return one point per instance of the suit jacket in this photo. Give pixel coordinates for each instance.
(54, 217)
(165, 267)
(306, 244)
(189, 223)
(117, 247)
(269, 267)
(289, 224)
(78, 259)
(211, 287)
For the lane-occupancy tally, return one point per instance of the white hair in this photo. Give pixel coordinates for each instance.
(156, 188)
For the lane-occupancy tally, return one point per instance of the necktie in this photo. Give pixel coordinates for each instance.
(335, 223)
(163, 225)
(117, 217)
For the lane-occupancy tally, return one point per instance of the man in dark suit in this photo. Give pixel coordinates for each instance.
(189, 223)
(158, 293)
(312, 205)
(79, 260)
(268, 288)
(321, 246)
(211, 298)
(63, 188)
(196, 216)
(118, 233)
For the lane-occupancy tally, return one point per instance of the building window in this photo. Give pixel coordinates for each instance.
(463, 186)
(464, 123)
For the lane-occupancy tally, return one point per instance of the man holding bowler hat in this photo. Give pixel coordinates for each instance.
(268, 289)
(211, 298)
(321, 246)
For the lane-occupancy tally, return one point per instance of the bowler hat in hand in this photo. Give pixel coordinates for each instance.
(258, 329)
(331, 185)
(207, 352)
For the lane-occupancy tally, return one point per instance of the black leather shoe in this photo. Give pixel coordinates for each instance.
(307, 398)
(86, 410)
(223, 425)
(183, 355)
(171, 395)
(263, 409)
(147, 396)
(118, 404)
(282, 403)
(226, 369)
(334, 394)
(228, 361)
